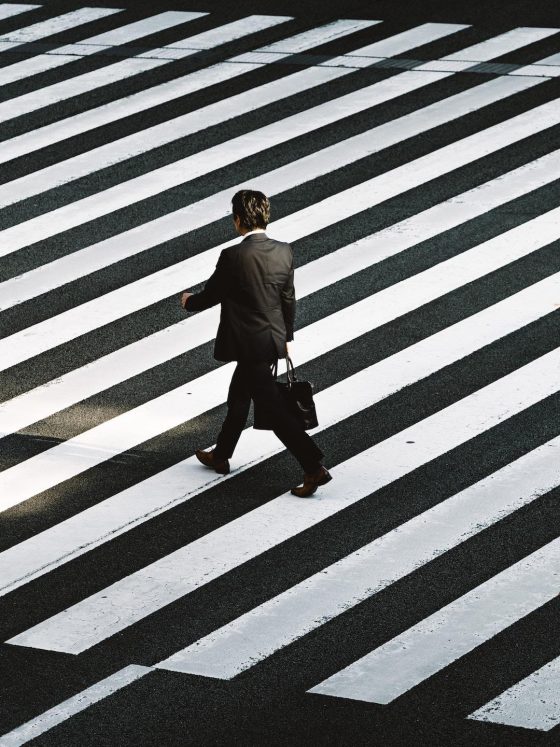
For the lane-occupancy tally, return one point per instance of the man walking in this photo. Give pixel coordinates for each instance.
(254, 283)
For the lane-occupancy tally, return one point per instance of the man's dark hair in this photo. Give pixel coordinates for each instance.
(252, 208)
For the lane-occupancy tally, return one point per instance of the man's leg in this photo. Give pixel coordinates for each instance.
(287, 427)
(238, 404)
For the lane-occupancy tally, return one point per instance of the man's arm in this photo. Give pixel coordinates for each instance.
(213, 292)
(288, 300)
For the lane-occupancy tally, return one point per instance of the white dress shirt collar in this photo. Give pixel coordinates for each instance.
(255, 230)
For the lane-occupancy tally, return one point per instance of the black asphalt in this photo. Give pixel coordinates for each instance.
(269, 704)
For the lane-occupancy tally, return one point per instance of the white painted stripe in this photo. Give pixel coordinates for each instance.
(123, 432)
(133, 598)
(195, 165)
(57, 92)
(165, 344)
(547, 66)
(138, 29)
(314, 37)
(231, 31)
(423, 650)
(538, 70)
(68, 53)
(399, 43)
(76, 704)
(63, 90)
(553, 59)
(170, 130)
(481, 52)
(52, 26)
(80, 123)
(119, 513)
(262, 631)
(102, 310)
(449, 66)
(221, 155)
(124, 34)
(533, 703)
(199, 80)
(167, 411)
(214, 37)
(500, 45)
(154, 182)
(7, 10)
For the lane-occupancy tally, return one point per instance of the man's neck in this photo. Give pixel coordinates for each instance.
(253, 230)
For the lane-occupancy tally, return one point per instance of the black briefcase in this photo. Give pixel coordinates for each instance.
(297, 397)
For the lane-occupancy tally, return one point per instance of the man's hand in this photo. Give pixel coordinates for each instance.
(184, 298)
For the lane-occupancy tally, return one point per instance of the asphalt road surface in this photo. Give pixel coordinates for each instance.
(412, 157)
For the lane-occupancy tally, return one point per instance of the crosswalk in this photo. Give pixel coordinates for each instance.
(415, 170)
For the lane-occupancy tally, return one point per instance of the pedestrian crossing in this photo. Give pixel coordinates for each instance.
(531, 703)
(415, 170)
(100, 42)
(75, 322)
(30, 558)
(85, 83)
(451, 632)
(154, 95)
(45, 400)
(139, 143)
(7, 10)
(52, 26)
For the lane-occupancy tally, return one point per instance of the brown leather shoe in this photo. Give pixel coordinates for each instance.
(311, 482)
(208, 460)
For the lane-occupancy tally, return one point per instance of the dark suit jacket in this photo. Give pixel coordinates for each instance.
(254, 282)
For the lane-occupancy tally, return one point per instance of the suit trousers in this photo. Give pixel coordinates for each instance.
(254, 381)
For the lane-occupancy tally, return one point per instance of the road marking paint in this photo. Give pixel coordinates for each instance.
(548, 66)
(70, 707)
(52, 26)
(7, 10)
(256, 635)
(532, 703)
(123, 432)
(453, 631)
(84, 121)
(497, 46)
(144, 592)
(44, 335)
(399, 43)
(80, 123)
(229, 32)
(140, 142)
(137, 504)
(86, 82)
(68, 53)
(53, 396)
(80, 84)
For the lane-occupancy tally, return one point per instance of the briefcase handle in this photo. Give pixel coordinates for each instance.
(290, 370)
